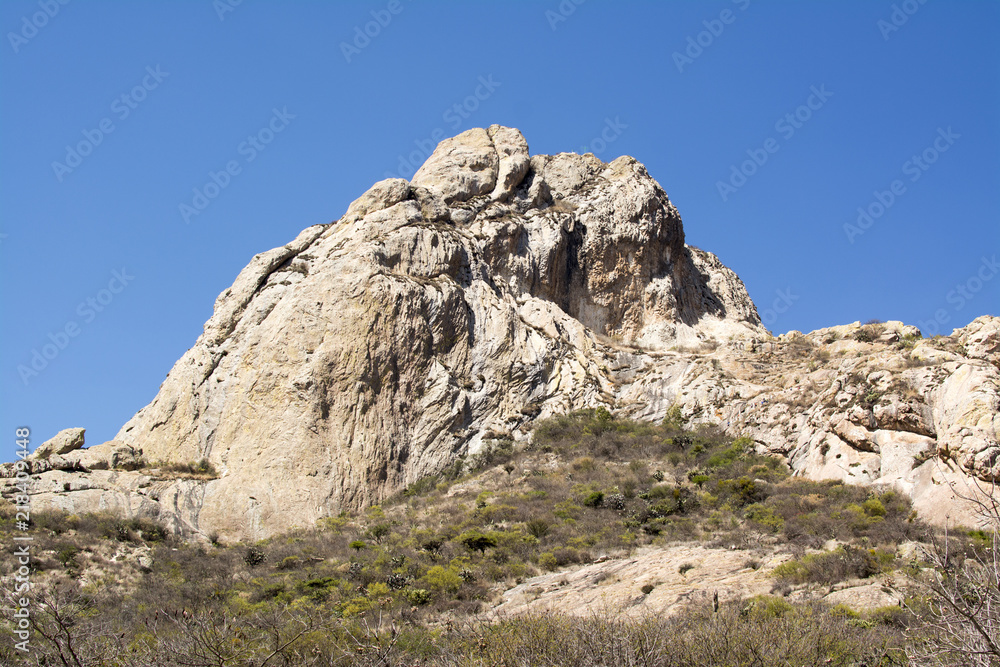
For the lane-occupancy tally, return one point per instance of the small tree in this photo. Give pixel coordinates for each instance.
(476, 541)
(961, 625)
(674, 418)
(379, 531)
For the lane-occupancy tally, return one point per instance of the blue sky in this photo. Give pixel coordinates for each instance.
(769, 124)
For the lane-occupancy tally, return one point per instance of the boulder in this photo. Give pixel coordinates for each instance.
(63, 442)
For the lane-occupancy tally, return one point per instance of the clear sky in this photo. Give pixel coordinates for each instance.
(769, 124)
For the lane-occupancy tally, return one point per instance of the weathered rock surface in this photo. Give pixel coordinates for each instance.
(674, 576)
(494, 288)
(666, 580)
(917, 414)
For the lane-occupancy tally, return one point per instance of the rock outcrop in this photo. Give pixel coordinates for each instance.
(665, 580)
(892, 409)
(65, 441)
(497, 287)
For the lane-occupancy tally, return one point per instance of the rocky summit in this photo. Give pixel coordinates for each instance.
(441, 315)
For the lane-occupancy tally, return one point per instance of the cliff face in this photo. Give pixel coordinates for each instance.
(493, 288)
(372, 352)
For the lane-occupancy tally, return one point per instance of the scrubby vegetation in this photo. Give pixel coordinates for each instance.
(415, 578)
(201, 469)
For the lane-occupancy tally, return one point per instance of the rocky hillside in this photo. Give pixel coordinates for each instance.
(444, 314)
(685, 545)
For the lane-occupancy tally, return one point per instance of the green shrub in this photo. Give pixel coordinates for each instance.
(318, 589)
(846, 562)
(727, 457)
(269, 592)
(378, 532)
(538, 528)
(477, 541)
(148, 530)
(674, 419)
(288, 563)
(763, 516)
(417, 596)
(422, 486)
(873, 507)
(843, 611)
(982, 537)
(67, 555)
(200, 468)
(548, 561)
(767, 607)
(442, 580)
(741, 492)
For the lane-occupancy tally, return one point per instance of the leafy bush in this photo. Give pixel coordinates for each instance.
(443, 580)
(417, 596)
(476, 541)
(741, 492)
(674, 419)
(538, 528)
(379, 531)
(422, 486)
(869, 332)
(764, 516)
(67, 555)
(200, 468)
(846, 562)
